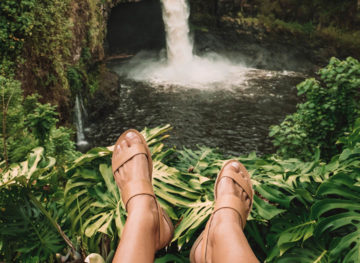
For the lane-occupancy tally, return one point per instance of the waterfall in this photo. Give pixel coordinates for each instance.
(178, 43)
(79, 107)
(181, 67)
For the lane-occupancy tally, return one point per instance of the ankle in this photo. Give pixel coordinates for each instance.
(227, 216)
(144, 208)
(224, 221)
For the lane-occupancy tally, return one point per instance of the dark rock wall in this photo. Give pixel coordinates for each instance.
(135, 26)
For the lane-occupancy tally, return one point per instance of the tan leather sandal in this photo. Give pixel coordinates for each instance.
(242, 178)
(142, 187)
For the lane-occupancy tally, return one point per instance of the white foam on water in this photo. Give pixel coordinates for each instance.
(198, 73)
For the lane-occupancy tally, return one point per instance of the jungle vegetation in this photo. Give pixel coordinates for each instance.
(306, 207)
(60, 205)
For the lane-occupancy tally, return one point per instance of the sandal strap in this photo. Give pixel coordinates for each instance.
(230, 201)
(235, 203)
(162, 238)
(143, 187)
(130, 152)
(241, 181)
(226, 201)
(206, 239)
(132, 189)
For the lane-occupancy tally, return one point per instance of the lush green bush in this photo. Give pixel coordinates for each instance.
(323, 12)
(330, 109)
(16, 23)
(25, 124)
(42, 42)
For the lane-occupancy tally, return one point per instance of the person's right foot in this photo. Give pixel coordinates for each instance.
(225, 216)
(132, 171)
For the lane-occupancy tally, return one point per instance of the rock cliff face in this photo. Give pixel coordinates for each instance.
(315, 30)
(135, 26)
(343, 13)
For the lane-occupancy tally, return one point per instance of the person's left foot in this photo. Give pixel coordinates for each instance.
(225, 216)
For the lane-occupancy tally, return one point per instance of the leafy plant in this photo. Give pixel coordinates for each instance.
(23, 197)
(10, 114)
(16, 22)
(329, 111)
(339, 212)
(41, 121)
(281, 221)
(26, 233)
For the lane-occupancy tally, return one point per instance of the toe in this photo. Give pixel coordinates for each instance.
(116, 173)
(123, 145)
(132, 138)
(117, 149)
(232, 166)
(243, 196)
(226, 186)
(247, 203)
(242, 174)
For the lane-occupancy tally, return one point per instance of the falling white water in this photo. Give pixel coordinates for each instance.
(178, 65)
(178, 44)
(81, 142)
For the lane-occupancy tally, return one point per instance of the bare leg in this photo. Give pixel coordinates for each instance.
(141, 231)
(227, 242)
(138, 239)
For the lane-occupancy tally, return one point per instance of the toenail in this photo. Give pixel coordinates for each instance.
(235, 164)
(131, 135)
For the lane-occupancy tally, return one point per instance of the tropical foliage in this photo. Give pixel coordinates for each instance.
(311, 207)
(42, 41)
(307, 206)
(330, 109)
(26, 123)
(28, 226)
(59, 205)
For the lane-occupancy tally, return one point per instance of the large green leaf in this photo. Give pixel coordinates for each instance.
(308, 254)
(174, 258)
(24, 229)
(36, 166)
(339, 214)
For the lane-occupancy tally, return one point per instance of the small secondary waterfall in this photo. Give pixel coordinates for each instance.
(176, 19)
(79, 107)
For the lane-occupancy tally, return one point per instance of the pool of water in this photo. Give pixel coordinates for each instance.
(233, 118)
